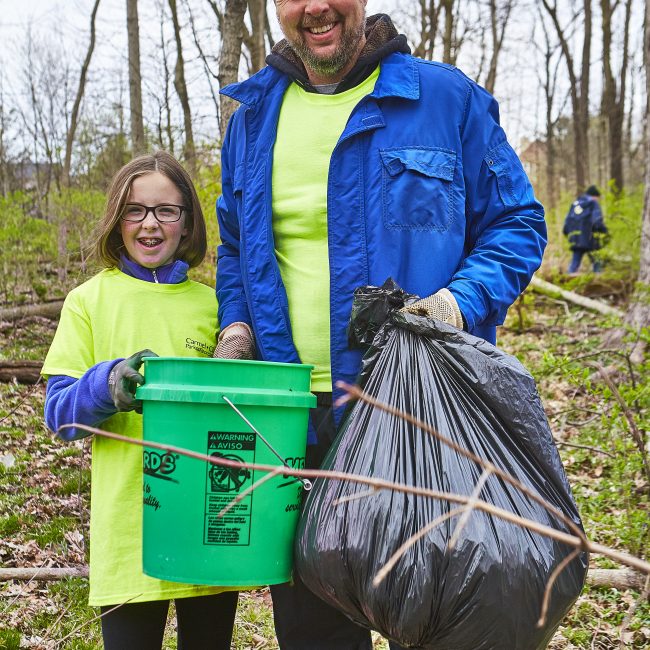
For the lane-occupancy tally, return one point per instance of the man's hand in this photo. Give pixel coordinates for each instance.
(125, 378)
(440, 306)
(235, 342)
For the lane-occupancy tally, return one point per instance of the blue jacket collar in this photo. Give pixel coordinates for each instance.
(398, 77)
(172, 273)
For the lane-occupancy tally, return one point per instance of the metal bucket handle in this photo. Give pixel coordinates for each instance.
(306, 483)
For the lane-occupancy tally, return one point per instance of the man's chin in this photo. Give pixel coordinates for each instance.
(324, 64)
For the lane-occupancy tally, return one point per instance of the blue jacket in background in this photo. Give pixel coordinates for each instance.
(583, 220)
(423, 187)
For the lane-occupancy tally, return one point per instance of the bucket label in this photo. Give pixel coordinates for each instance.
(223, 484)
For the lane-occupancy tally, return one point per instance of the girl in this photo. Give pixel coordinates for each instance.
(153, 231)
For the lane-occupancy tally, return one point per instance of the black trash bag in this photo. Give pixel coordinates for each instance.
(487, 592)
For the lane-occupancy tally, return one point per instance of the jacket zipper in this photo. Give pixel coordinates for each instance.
(155, 277)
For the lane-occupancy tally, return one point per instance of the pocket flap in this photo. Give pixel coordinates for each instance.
(437, 163)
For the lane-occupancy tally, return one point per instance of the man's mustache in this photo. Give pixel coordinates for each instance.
(310, 22)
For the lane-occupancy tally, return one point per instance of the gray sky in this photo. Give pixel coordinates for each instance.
(64, 23)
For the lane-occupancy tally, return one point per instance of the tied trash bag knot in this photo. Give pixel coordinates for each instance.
(484, 591)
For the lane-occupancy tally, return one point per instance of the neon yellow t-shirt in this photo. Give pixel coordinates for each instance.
(114, 315)
(309, 127)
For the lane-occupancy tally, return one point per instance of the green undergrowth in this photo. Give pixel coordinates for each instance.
(44, 484)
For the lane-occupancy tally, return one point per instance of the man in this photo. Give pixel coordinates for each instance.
(585, 227)
(350, 161)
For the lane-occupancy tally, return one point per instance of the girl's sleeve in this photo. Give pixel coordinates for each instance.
(83, 401)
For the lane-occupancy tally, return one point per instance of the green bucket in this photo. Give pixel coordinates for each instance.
(185, 404)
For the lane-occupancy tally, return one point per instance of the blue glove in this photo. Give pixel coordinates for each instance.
(124, 379)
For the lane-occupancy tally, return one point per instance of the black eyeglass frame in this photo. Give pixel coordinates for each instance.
(152, 209)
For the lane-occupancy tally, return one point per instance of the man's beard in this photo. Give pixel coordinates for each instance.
(343, 54)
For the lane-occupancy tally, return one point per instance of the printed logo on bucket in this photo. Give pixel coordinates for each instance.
(228, 479)
(160, 465)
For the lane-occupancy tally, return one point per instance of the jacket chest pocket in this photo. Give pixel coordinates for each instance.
(417, 188)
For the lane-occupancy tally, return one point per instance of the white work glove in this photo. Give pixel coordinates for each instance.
(441, 306)
(235, 342)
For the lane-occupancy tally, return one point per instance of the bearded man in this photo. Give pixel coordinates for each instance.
(350, 161)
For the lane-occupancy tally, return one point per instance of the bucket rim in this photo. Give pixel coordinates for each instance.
(251, 362)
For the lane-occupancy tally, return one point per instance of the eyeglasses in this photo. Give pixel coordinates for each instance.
(166, 213)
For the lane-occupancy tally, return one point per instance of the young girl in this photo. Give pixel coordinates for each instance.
(153, 231)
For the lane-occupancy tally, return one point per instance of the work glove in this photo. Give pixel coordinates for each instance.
(235, 342)
(441, 306)
(124, 379)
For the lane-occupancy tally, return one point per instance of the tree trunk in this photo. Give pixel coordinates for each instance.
(638, 315)
(135, 79)
(41, 573)
(74, 116)
(613, 103)
(448, 37)
(582, 139)
(549, 289)
(232, 34)
(24, 372)
(614, 578)
(45, 309)
(189, 152)
(257, 12)
(498, 30)
(579, 91)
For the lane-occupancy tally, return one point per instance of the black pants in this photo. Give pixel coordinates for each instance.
(204, 623)
(302, 620)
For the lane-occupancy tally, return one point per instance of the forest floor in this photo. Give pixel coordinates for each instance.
(44, 486)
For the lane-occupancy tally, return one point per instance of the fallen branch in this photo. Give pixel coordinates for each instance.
(45, 573)
(24, 372)
(620, 579)
(555, 292)
(574, 541)
(616, 578)
(45, 309)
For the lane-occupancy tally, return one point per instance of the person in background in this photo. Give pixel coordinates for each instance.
(350, 161)
(585, 229)
(152, 232)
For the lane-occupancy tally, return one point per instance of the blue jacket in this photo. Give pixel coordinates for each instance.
(583, 220)
(423, 187)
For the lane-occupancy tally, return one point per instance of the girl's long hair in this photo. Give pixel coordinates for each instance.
(108, 243)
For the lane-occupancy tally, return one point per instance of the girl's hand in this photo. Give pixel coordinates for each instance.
(125, 378)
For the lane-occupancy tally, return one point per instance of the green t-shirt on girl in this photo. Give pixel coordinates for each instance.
(114, 315)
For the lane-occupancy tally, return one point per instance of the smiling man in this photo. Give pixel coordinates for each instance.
(348, 162)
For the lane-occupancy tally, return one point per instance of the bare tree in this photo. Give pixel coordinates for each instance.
(579, 87)
(613, 100)
(4, 155)
(233, 34)
(135, 78)
(189, 152)
(448, 39)
(429, 15)
(211, 76)
(255, 42)
(164, 123)
(74, 116)
(548, 83)
(498, 24)
(638, 315)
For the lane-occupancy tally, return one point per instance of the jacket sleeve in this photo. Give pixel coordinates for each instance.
(597, 221)
(231, 295)
(506, 232)
(83, 401)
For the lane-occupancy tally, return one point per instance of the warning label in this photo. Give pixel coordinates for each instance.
(223, 484)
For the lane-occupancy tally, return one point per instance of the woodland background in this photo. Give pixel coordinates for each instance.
(85, 85)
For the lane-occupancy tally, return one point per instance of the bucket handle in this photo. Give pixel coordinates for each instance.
(306, 483)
